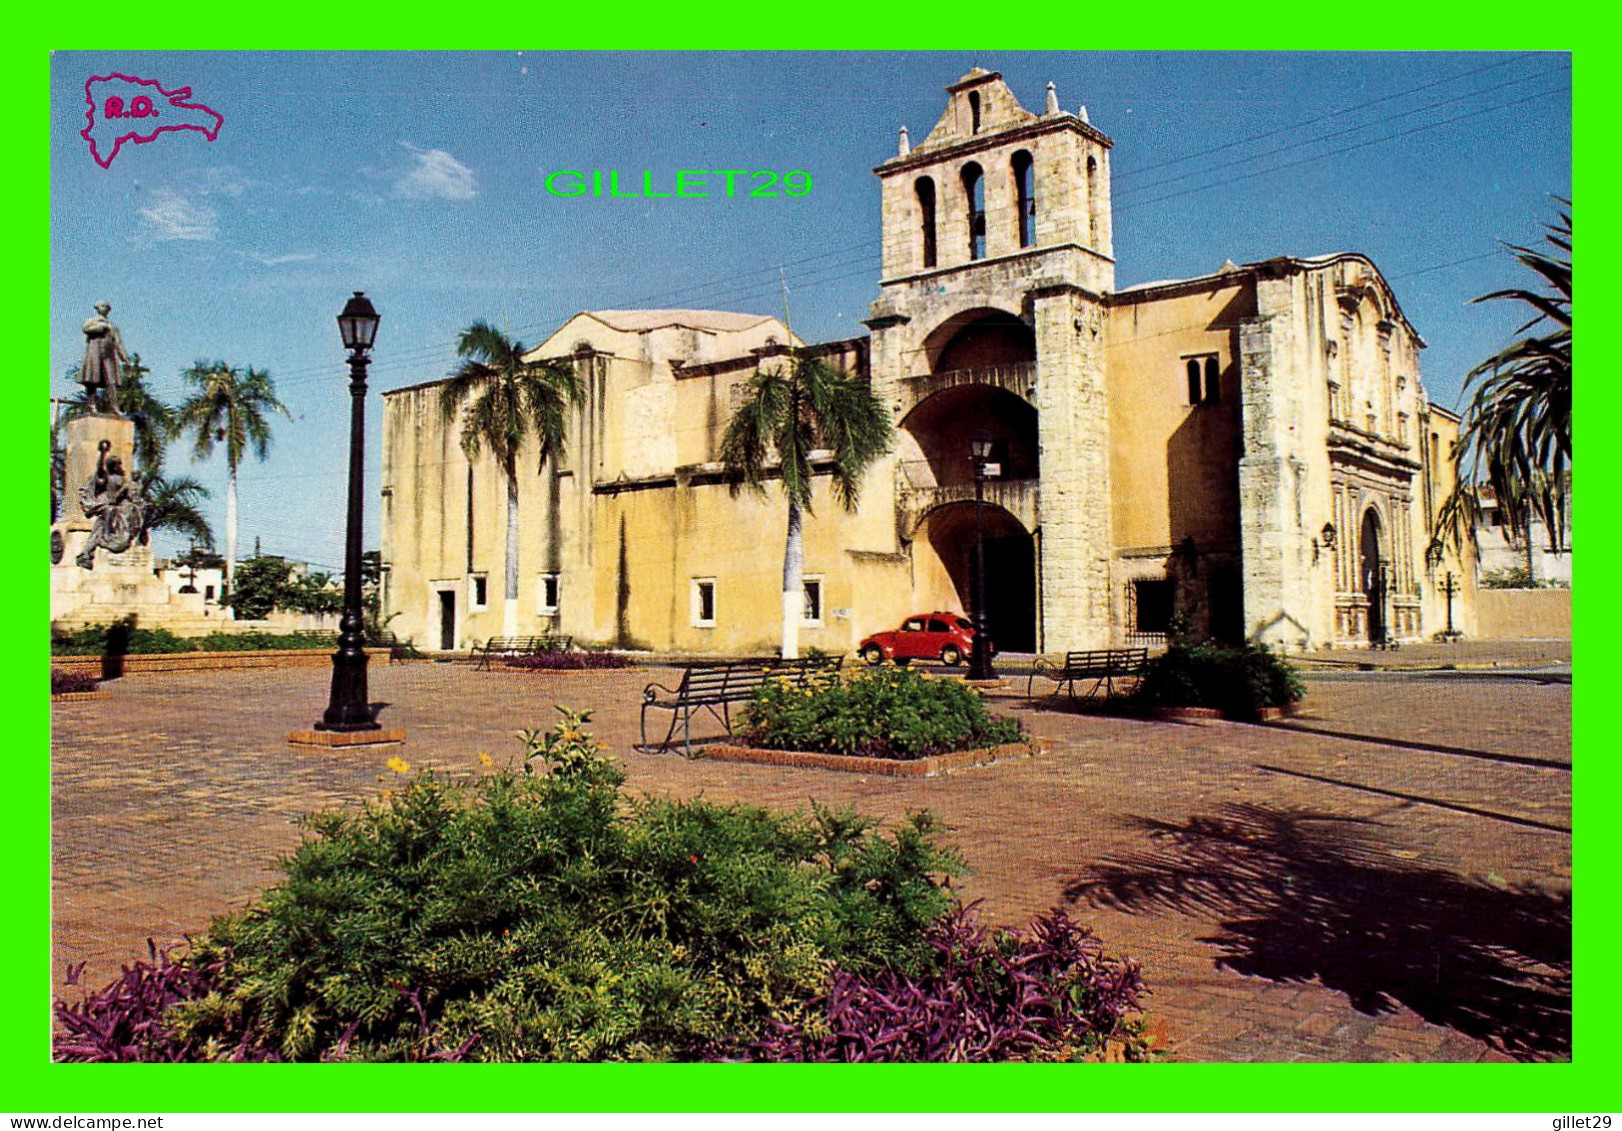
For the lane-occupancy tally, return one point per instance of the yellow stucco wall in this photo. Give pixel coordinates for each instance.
(1172, 463)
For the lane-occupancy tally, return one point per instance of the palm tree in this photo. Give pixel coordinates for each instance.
(233, 409)
(508, 400)
(789, 413)
(1516, 436)
(175, 504)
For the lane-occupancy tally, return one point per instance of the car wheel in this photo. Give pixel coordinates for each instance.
(873, 654)
(951, 655)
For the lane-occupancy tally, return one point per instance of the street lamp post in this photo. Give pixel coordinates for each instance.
(1450, 587)
(980, 651)
(348, 708)
(1384, 576)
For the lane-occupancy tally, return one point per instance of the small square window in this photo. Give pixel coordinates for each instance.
(1155, 600)
(208, 592)
(813, 600)
(704, 602)
(478, 587)
(546, 598)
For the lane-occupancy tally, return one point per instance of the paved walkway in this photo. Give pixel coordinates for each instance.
(1385, 878)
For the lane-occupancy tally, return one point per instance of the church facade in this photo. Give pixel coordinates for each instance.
(1248, 453)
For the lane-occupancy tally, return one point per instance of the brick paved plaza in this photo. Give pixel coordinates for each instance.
(1386, 877)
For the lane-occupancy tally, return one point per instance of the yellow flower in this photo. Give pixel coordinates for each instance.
(398, 764)
(388, 793)
(485, 759)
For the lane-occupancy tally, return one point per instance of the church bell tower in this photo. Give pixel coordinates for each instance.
(997, 260)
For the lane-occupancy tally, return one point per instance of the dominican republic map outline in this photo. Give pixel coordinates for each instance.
(141, 107)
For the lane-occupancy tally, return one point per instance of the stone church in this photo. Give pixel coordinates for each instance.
(1249, 452)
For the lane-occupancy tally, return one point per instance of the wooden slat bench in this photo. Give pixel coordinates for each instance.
(714, 687)
(516, 647)
(1102, 666)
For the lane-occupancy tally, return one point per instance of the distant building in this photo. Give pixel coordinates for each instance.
(208, 583)
(1250, 451)
(1546, 560)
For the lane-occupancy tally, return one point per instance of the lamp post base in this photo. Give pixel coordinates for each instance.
(342, 739)
(348, 707)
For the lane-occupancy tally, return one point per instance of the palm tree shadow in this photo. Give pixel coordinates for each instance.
(1304, 896)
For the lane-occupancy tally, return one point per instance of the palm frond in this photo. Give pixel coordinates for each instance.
(1516, 434)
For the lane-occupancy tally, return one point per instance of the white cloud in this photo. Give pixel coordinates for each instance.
(435, 176)
(172, 216)
(278, 260)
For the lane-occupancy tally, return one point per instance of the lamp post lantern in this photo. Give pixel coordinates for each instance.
(980, 650)
(348, 708)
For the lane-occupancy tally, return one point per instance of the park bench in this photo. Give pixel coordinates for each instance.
(516, 647)
(1100, 666)
(714, 687)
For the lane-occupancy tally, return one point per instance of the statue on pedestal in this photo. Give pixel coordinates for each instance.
(104, 359)
(115, 502)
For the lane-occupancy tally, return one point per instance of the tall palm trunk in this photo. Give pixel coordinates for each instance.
(793, 582)
(509, 609)
(231, 532)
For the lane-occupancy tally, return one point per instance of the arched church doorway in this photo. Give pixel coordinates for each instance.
(948, 540)
(1372, 571)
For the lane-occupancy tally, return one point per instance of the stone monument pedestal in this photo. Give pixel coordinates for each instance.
(117, 585)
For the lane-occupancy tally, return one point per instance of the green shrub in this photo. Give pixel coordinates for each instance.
(883, 712)
(1510, 577)
(122, 639)
(546, 916)
(116, 639)
(1236, 681)
(263, 641)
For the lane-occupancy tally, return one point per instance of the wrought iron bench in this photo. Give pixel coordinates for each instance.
(516, 647)
(714, 687)
(1102, 666)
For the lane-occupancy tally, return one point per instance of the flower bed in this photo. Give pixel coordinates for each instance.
(72, 685)
(569, 661)
(884, 712)
(538, 913)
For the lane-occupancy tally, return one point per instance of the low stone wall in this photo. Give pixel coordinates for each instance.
(208, 661)
(1523, 614)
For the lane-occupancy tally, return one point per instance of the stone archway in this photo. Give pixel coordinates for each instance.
(946, 538)
(1372, 565)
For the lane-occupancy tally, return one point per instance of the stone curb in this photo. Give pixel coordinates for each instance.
(880, 767)
(75, 696)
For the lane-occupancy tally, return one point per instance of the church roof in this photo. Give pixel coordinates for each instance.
(641, 321)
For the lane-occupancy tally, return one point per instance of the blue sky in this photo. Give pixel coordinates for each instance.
(418, 179)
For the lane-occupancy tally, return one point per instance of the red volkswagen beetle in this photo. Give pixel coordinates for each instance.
(946, 637)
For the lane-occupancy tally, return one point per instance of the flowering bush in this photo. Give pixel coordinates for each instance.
(63, 683)
(883, 712)
(540, 914)
(1047, 993)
